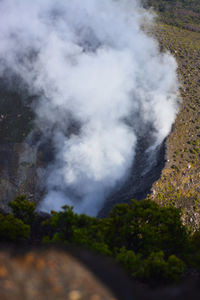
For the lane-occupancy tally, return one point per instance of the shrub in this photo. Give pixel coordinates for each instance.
(155, 268)
(23, 209)
(13, 229)
(144, 227)
(130, 261)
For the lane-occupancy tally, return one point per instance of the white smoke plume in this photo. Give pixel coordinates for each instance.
(101, 82)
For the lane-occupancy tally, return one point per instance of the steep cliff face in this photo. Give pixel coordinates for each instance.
(17, 158)
(18, 172)
(179, 183)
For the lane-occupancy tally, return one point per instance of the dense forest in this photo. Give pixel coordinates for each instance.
(149, 241)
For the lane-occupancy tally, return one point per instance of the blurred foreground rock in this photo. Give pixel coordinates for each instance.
(76, 275)
(48, 275)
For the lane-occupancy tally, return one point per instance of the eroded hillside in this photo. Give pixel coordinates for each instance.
(179, 184)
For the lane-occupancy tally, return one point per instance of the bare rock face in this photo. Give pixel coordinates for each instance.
(18, 159)
(18, 172)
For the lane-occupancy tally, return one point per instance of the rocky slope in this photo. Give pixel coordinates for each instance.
(179, 183)
(179, 162)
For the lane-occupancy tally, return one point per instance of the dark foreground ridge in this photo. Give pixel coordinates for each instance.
(74, 274)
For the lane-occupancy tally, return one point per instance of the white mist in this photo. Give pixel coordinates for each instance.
(92, 64)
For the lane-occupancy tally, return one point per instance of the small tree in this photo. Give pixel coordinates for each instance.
(13, 229)
(23, 209)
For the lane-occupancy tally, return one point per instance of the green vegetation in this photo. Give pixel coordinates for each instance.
(23, 209)
(149, 241)
(13, 229)
(178, 31)
(182, 13)
(179, 182)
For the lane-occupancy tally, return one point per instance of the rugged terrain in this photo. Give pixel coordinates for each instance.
(180, 180)
(179, 183)
(177, 30)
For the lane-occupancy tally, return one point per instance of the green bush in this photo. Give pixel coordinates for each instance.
(13, 229)
(130, 261)
(23, 209)
(149, 241)
(156, 268)
(144, 227)
(175, 268)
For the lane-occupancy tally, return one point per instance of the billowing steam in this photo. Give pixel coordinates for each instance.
(100, 82)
